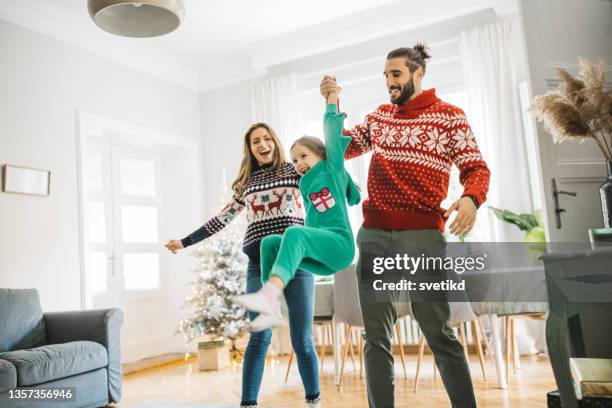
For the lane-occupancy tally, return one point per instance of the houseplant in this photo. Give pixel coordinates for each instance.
(531, 224)
(580, 109)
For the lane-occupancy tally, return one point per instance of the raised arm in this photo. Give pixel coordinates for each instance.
(360, 142)
(333, 123)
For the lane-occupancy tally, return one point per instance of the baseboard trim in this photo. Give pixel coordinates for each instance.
(156, 362)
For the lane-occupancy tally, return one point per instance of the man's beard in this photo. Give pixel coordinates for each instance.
(406, 93)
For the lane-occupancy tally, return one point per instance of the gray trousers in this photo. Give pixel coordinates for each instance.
(379, 309)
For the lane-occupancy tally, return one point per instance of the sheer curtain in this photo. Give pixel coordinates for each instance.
(276, 102)
(490, 57)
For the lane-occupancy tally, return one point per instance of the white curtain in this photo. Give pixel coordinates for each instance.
(490, 57)
(276, 102)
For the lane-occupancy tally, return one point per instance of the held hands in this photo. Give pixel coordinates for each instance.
(329, 89)
(174, 245)
(466, 216)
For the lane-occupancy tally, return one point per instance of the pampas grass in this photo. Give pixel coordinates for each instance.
(580, 109)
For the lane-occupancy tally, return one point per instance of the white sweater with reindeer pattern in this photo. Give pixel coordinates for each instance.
(272, 201)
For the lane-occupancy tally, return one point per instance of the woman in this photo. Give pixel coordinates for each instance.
(268, 186)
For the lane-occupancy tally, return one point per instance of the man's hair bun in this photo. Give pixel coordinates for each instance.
(423, 50)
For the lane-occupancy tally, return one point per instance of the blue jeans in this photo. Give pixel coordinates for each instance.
(299, 295)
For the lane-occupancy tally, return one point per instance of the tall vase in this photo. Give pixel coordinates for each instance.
(605, 191)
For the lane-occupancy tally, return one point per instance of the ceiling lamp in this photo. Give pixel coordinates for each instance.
(145, 18)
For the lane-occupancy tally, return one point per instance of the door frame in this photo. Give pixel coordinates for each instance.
(90, 125)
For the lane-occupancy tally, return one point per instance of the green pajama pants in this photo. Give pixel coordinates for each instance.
(379, 309)
(316, 250)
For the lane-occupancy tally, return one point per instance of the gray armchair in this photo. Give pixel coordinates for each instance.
(78, 349)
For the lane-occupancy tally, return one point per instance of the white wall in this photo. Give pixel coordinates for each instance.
(226, 112)
(225, 118)
(43, 83)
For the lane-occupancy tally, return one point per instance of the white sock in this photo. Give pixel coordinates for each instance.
(264, 301)
(264, 321)
(271, 292)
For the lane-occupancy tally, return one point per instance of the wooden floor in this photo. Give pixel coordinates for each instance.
(181, 382)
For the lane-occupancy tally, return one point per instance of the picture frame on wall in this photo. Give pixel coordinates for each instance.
(25, 180)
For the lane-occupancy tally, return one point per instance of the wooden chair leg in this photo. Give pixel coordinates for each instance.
(479, 349)
(361, 357)
(351, 349)
(332, 331)
(344, 353)
(289, 365)
(419, 360)
(486, 347)
(323, 334)
(435, 370)
(515, 360)
(401, 348)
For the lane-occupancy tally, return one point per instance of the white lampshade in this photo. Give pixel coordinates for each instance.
(145, 18)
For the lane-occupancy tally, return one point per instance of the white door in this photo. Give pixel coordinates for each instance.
(123, 249)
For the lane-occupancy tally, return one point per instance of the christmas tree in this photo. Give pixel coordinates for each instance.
(220, 274)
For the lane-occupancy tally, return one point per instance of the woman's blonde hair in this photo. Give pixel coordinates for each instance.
(249, 163)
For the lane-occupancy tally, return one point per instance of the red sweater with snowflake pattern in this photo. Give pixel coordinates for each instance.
(414, 146)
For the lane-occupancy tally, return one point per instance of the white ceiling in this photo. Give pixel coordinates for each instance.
(222, 42)
(213, 27)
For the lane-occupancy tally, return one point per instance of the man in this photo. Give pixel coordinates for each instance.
(414, 140)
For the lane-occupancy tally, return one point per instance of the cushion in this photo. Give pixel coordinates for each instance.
(54, 361)
(592, 377)
(8, 376)
(21, 320)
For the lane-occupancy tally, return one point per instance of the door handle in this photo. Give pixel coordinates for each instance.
(559, 210)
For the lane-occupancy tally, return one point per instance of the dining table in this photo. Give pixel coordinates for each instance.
(493, 293)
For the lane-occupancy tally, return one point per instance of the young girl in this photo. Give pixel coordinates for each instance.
(267, 187)
(325, 244)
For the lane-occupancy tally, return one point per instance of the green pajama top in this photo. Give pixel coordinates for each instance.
(327, 187)
(324, 245)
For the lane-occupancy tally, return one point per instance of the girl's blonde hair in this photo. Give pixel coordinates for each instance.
(249, 163)
(314, 144)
